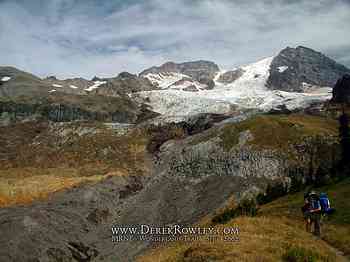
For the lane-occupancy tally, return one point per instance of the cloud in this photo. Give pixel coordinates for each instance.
(86, 38)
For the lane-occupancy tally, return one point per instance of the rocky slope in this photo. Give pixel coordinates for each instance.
(14, 83)
(295, 69)
(72, 86)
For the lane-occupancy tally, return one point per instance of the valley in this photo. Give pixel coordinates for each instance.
(176, 144)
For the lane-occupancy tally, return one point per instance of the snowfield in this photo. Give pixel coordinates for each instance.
(247, 92)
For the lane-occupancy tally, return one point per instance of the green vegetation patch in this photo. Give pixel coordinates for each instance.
(278, 131)
(246, 208)
(301, 254)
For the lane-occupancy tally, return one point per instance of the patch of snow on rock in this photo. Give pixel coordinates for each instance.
(53, 90)
(5, 79)
(96, 84)
(73, 86)
(281, 69)
(166, 79)
(56, 85)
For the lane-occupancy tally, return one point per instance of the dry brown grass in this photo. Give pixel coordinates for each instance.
(335, 229)
(261, 239)
(23, 185)
(267, 237)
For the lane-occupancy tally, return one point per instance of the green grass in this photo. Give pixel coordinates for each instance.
(301, 254)
(278, 131)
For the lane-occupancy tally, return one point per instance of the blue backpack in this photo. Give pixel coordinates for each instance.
(325, 204)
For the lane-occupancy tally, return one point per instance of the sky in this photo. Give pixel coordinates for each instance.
(70, 38)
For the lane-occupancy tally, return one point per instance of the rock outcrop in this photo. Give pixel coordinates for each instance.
(341, 91)
(230, 76)
(294, 68)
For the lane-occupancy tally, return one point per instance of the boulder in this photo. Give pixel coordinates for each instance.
(341, 91)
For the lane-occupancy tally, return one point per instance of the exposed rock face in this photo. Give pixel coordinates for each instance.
(124, 83)
(341, 91)
(191, 88)
(292, 68)
(230, 76)
(201, 71)
(204, 155)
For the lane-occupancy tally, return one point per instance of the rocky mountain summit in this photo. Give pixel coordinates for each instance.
(124, 83)
(294, 69)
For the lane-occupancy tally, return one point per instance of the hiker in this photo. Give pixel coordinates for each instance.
(305, 209)
(314, 212)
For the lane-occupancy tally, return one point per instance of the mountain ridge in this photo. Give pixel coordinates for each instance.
(293, 79)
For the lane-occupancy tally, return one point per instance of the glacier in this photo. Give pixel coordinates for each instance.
(247, 92)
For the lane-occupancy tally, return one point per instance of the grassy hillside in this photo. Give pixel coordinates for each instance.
(278, 131)
(37, 159)
(275, 234)
(336, 228)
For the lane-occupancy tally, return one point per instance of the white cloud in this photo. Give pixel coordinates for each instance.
(69, 39)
